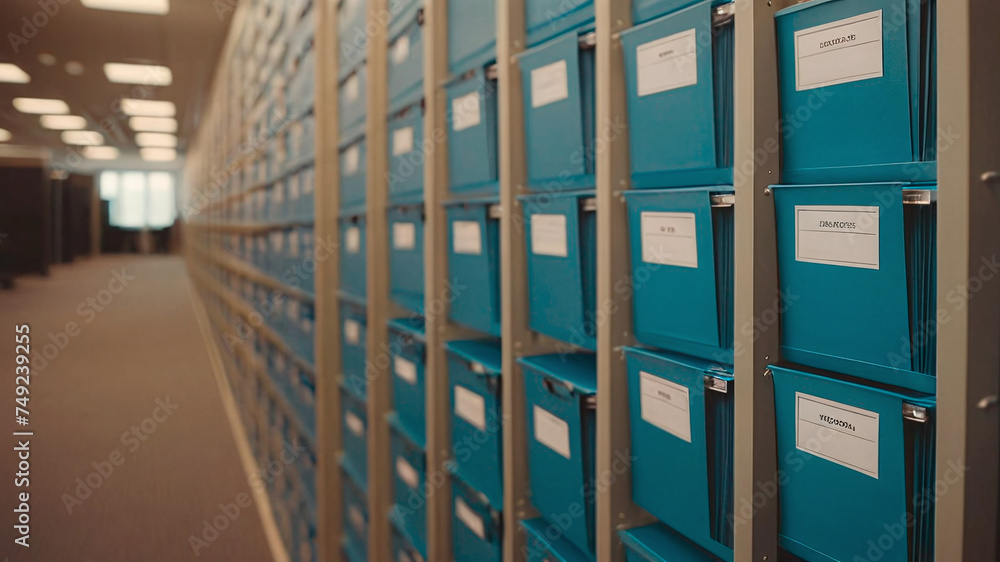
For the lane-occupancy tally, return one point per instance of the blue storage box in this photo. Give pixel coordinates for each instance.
(864, 72)
(561, 406)
(354, 434)
(472, 132)
(409, 461)
(302, 81)
(657, 543)
(353, 192)
(354, 337)
(679, 71)
(406, 62)
(407, 155)
(353, 257)
(353, 43)
(474, 368)
(355, 517)
(474, 263)
(402, 549)
(561, 232)
(406, 256)
(545, 19)
(353, 99)
(477, 527)
(862, 461)
(472, 34)
(645, 10)
(545, 542)
(681, 411)
(408, 348)
(558, 79)
(682, 269)
(402, 12)
(857, 266)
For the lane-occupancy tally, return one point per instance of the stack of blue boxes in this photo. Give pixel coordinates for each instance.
(856, 225)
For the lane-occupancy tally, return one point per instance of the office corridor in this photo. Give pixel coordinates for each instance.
(132, 449)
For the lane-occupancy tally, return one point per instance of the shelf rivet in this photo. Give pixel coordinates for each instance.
(767, 372)
(990, 178)
(988, 402)
(767, 358)
(767, 191)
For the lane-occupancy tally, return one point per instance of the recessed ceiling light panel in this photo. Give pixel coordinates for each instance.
(148, 108)
(63, 122)
(41, 106)
(157, 140)
(13, 73)
(158, 154)
(100, 152)
(82, 138)
(145, 74)
(4, 135)
(155, 7)
(153, 124)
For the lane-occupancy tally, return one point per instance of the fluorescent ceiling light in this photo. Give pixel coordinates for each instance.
(153, 124)
(160, 140)
(155, 7)
(100, 152)
(158, 154)
(145, 74)
(63, 122)
(82, 138)
(148, 108)
(4, 135)
(13, 73)
(41, 106)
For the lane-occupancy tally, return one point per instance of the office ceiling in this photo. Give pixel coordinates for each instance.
(187, 40)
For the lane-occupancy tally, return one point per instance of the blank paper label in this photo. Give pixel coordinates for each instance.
(471, 407)
(667, 64)
(352, 159)
(465, 111)
(407, 473)
(839, 52)
(470, 518)
(352, 240)
(669, 239)
(837, 235)
(355, 424)
(552, 431)
(837, 432)
(403, 557)
(549, 84)
(402, 141)
(352, 88)
(352, 332)
(405, 369)
(548, 235)
(401, 50)
(666, 405)
(466, 238)
(404, 235)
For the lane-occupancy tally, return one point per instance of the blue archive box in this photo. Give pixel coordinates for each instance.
(561, 400)
(353, 257)
(477, 527)
(682, 268)
(353, 159)
(645, 10)
(679, 72)
(353, 101)
(657, 543)
(402, 549)
(409, 461)
(406, 62)
(474, 263)
(472, 132)
(354, 460)
(408, 348)
(857, 267)
(862, 466)
(545, 19)
(353, 37)
(402, 13)
(545, 542)
(681, 411)
(562, 269)
(355, 517)
(406, 256)
(407, 155)
(354, 337)
(472, 34)
(474, 368)
(858, 90)
(558, 83)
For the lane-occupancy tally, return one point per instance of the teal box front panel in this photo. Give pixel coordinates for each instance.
(409, 462)
(472, 34)
(472, 134)
(477, 528)
(657, 543)
(353, 42)
(353, 338)
(406, 64)
(408, 349)
(474, 264)
(353, 257)
(544, 542)
(645, 10)
(546, 19)
(353, 159)
(355, 437)
(406, 256)
(355, 503)
(353, 99)
(407, 155)
(402, 548)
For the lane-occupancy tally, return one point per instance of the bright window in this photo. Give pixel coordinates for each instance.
(140, 199)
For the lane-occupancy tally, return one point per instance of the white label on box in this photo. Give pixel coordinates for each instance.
(669, 239)
(401, 50)
(666, 405)
(837, 432)
(352, 332)
(293, 187)
(352, 87)
(405, 369)
(466, 238)
(839, 52)
(403, 557)
(470, 406)
(352, 160)
(357, 520)
(407, 473)
(837, 235)
(355, 424)
(549, 84)
(552, 431)
(667, 64)
(404, 235)
(471, 519)
(402, 141)
(548, 235)
(352, 239)
(465, 112)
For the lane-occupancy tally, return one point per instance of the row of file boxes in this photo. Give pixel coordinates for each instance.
(355, 501)
(351, 27)
(406, 56)
(291, 198)
(409, 461)
(406, 256)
